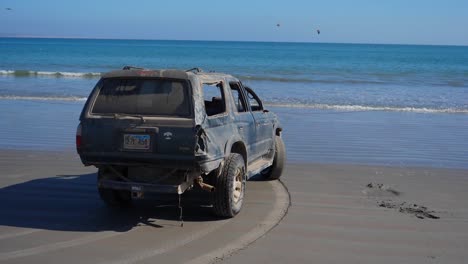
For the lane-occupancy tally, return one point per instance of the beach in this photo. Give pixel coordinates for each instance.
(326, 213)
(334, 217)
(376, 171)
(355, 189)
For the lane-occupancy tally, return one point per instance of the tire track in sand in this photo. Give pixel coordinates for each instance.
(280, 210)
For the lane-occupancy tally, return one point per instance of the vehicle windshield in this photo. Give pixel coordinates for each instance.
(154, 97)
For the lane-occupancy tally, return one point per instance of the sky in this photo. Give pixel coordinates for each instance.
(433, 22)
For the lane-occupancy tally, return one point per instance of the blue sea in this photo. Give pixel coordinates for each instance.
(403, 105)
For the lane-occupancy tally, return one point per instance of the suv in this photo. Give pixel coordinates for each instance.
(170, 131)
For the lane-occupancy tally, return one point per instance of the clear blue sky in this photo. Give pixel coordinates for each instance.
(343, 21)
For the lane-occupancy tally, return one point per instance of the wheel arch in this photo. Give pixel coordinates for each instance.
(236, 145)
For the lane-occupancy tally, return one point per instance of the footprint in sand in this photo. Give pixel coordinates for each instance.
(379, 190)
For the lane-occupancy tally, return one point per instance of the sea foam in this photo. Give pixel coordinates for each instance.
(357, 108)
(43, 98)
(24, 73)
(340, 108)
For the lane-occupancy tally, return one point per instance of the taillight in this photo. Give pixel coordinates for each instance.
(78, 137)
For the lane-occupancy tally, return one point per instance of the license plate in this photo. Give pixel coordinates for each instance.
(135, 141)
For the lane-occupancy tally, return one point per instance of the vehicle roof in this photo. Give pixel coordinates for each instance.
(168, 73)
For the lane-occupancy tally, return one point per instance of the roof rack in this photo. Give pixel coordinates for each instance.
(132, 68)
(195, 70)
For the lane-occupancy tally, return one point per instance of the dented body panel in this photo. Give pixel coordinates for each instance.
(190, 145)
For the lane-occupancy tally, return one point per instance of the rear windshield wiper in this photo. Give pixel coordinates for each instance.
(118, 116)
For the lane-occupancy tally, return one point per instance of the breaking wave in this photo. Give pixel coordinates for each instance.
(306, 80)
(24, 73)
(44, 98)
(347, 108)
(339, 80)
(357, 108)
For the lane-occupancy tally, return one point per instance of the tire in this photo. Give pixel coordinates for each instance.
(229, 191)
(276, 169)
(113, 198)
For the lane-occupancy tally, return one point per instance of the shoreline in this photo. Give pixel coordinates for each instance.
(71, 154)
(398, 139)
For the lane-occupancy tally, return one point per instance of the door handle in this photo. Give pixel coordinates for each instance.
(240, 127)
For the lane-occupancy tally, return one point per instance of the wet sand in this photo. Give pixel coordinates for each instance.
(405, 139)
(337, 216)
(51, 213)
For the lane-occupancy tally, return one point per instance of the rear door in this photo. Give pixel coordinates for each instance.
(217, 122)
(244, 119)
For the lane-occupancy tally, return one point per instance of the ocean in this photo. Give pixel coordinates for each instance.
(403, 105)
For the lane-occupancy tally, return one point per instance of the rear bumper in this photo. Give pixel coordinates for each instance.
(141, 188)
(138, 159)
(203, 163)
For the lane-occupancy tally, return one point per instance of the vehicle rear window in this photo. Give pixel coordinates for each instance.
(158, 97)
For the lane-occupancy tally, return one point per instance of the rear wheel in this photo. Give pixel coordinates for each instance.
(113, 198)
(230, 187)
(276, 169)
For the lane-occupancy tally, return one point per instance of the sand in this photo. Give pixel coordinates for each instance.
(338, 213)
(51, 213)
(337, 217)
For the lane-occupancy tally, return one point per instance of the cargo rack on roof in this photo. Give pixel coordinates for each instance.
(132, 68)
(195, 70)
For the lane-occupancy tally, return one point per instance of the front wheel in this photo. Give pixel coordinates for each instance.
(276, 169)
(230, 187)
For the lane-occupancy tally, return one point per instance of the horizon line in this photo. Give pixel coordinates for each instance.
(207, 40)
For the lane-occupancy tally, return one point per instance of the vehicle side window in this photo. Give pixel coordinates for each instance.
(214, 98)
(238, 97)
(254, 101)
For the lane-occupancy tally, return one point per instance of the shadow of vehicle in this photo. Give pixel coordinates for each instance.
(259, 178)
(72, 203)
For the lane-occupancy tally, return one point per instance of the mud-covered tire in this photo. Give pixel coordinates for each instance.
(229, 191)
(276, 169)
(113, 198)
